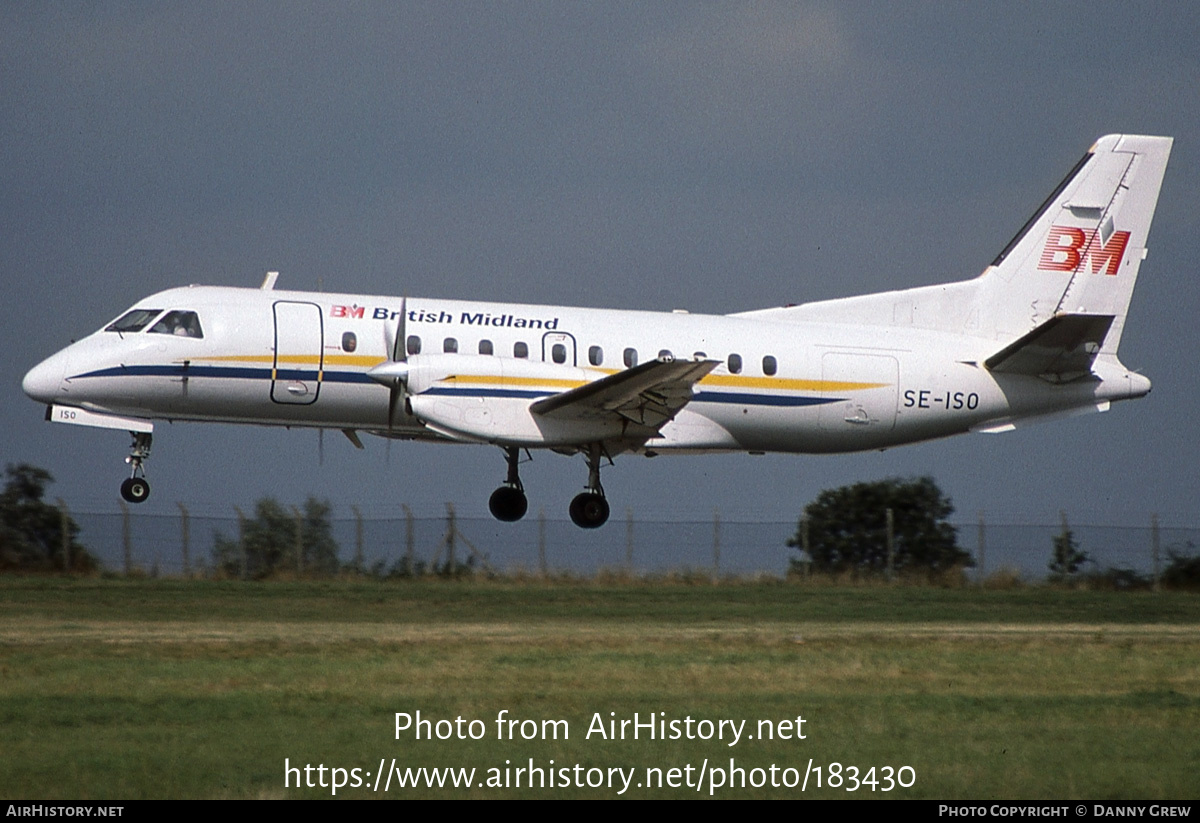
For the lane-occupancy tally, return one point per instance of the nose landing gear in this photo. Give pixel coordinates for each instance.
(508, 503)
(137, 488)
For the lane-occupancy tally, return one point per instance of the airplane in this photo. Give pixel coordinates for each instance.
(1033, 337)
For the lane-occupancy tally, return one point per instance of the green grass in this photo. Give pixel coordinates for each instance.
(127, 689)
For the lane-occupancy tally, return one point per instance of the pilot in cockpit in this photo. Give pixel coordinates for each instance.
(179, 323)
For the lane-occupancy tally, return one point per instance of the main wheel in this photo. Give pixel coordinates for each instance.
(508, 504)
(135, 489)
(589, 510)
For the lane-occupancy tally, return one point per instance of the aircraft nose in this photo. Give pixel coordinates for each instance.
(42, 382)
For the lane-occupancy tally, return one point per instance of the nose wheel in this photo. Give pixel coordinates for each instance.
(137, 487)
(508, 503)
(589, 510)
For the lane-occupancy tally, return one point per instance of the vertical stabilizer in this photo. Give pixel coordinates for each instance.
(1080, 252)
(1078, 255)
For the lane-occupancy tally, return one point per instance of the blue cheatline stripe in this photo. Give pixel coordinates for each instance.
(445, 391)
(241, 373)
(742, 399)
(227, 372)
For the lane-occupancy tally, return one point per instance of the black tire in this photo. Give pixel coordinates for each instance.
(508, 504)
(135, 489)
(589, 511)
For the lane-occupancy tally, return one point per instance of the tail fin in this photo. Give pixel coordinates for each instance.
(1080, 253)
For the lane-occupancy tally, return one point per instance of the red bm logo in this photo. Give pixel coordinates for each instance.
(1067, 248)
(346, 311)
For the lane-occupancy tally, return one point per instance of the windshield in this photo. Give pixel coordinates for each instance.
(134, 320)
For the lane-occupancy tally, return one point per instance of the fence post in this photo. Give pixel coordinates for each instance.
(242, 542)
(64, 518)
(451, 536)
(807, 546)
(1154, 551)
(629, 541)
(542, 541)
(716, 544)
(126, 537)
(185, 538)
(358, 539)
(891, 545)
(410, 547)
(298, 536)
(982, 550)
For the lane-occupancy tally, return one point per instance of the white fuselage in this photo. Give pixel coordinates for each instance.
(301, 359)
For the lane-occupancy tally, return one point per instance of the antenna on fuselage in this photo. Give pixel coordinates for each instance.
(268, 283)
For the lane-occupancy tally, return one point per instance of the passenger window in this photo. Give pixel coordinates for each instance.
(630, 358)
(450, 345)
(734, 363)
(178, 323)
(485, 346)
(520, 350)
(132, 321)
(769, 365)
(699, 355)
(413, 346)
(349, 342)
(666, 354)
(595, 355)
(559, 353)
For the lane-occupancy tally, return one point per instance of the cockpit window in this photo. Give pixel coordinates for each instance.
(135, 320)
(178, 323)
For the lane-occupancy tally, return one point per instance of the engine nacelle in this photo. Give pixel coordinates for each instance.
(486, 398)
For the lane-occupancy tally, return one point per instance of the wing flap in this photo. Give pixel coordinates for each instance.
(648, 395)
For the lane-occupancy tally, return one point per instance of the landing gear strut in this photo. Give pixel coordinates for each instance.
(137, 487)
(508, 503)
(589, 510)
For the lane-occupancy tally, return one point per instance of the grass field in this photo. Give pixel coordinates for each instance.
(128, 689)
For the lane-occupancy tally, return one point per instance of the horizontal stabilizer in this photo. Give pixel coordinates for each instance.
(1061, 349)
(649, 394)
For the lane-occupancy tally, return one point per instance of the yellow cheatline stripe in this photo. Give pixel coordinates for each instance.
(728, 380)
(712, 380)
(490, 380)
(364, 360)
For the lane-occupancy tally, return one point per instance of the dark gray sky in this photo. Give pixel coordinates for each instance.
(715, 157)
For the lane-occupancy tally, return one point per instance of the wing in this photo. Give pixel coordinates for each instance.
(647, 395)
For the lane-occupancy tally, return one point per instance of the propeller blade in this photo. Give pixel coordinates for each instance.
(400, 346)
(393, 402)
(399, 355)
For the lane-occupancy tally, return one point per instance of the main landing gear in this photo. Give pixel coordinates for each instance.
(508, 503)
(589, 510)
(137, 487)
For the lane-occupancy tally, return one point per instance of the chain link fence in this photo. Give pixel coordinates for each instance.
(182, 545)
